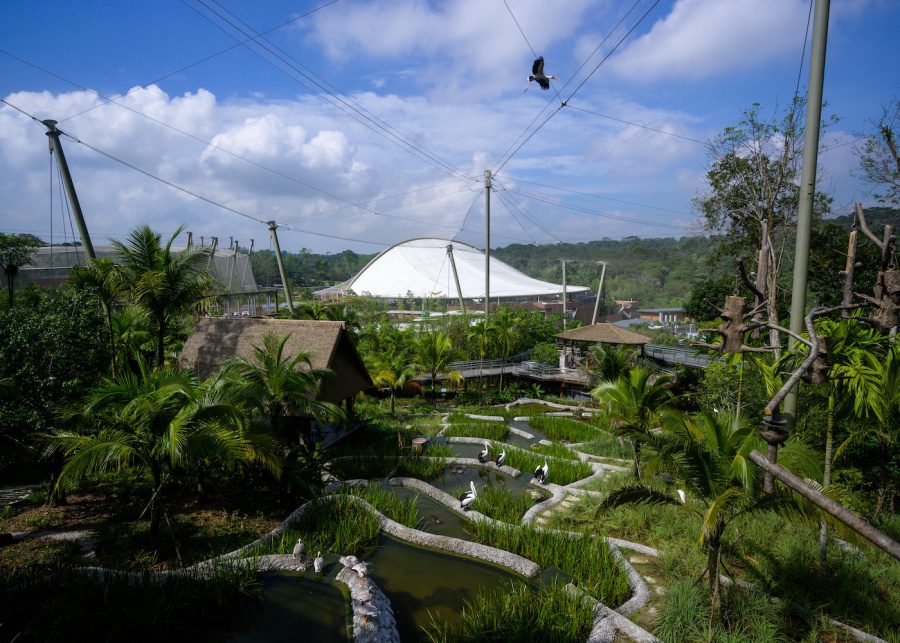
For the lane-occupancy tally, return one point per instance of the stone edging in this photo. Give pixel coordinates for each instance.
(373, 618)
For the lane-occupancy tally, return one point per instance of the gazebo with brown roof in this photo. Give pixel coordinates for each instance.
(602, 333)
(216, 339)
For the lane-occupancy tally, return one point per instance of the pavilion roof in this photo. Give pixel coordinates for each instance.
(603, 333)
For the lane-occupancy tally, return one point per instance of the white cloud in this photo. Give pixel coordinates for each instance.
(702, 38)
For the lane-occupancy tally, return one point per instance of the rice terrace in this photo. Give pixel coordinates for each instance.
(443, 322)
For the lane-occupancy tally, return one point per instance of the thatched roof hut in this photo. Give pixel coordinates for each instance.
(216, 339)
(603, 333)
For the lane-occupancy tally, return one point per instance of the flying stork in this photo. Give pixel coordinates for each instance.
(538, 75)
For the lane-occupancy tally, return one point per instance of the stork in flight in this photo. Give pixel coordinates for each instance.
(537, 74)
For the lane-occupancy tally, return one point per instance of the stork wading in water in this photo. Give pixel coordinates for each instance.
(298, 548)
(501, 459)
(541, 472)
(485, 453)
(538, 75)
(468, 497)
(318, 563)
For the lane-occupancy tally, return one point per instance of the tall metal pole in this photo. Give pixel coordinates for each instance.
(487, 245)
(234, 254)
(246, 265)
(56, 148)
(565, 308)
(284, 282)
(462, 303)
(599, 290)
(807, 194)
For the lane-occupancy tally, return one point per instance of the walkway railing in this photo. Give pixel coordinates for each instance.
(679, 355)
(485, 364)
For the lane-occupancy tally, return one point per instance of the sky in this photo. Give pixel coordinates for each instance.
(358, 124)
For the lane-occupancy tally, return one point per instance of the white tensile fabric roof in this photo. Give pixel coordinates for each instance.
(421, 266)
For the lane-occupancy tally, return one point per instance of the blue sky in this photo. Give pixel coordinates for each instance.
(445, 78)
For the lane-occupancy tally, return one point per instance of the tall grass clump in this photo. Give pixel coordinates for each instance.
(393, 463)
(563, 428)
(401, 510)
(488, 430)
(607, 445)
(500, 503)
(334, 524)
(68, 605)
(555, 451)
(562, 472)
(586, 559)
(518, 613)
(460, 417)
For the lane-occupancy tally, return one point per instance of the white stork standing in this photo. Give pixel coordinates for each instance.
(682, 496)
(538, 75)
(501, 459)
(483, 456)
(298, 548)
(468, 497)
(318, 563)
(541, 472)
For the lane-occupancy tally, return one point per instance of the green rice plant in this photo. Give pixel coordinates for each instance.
(499, 503)
(586, 559)
(68, 605)
(333, 524)
(555, 451)
(488, 430)
(609, 446)
(390, 462)
(518, 613)
(460, 417)
(563, 428)
(562, 472)
(401, 510)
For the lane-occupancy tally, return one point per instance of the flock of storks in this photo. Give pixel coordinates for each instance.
(469, 497)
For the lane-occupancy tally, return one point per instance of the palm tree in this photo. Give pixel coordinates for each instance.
(505, 329)
(281, 387)
(131, 335)
(483, 336)
(607, 364)
(633, 403)
(393, 375)
(16, 251)
(707, 455)
(852, 377)
(435, 351)
(884, 405)
(163, 283)
(101, 276)
(161, 420)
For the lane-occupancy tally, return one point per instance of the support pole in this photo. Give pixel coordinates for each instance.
(284, 282)
(214, 241)
(56, 148)
(599, 290)
(246, 265)
(234, 252)
(807, 194)
(190, 239)
(462, 303)
(565, 308)
(487, 245)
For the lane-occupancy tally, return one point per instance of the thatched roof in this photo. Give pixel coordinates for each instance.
(216, 339)
(605, 333)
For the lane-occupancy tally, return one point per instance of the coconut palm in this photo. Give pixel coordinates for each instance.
(633, 403)
(161, 420)
(16, 251)
(283, 387)
(434, 353)
(505, 330)
(483, 336)
(392, 376)
(161, 282)
(707, 454)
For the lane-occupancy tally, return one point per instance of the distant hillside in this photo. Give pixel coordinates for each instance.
(656, 272)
